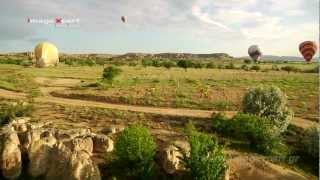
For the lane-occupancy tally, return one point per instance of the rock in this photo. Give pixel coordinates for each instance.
(59, 158)
(109, 130)
(171, 155)
(70, 134)
(80, 144)
(82, 167)
(11, 160)
(68, 165)
(102, 143)
(39, 156)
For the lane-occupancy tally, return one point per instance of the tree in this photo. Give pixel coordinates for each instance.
(184, 64)
(110, 72)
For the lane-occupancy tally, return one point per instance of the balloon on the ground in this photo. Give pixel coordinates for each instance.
(255, 52)
(46, 54)
(308, 49)
(124, 19)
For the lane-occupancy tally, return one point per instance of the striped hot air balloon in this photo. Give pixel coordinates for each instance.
(308, 49)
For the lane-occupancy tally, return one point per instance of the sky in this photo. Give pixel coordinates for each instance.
(154, 26)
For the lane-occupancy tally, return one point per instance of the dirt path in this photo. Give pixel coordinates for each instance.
(162, 111)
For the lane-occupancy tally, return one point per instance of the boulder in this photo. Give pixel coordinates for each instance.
(102, 143)
(80, 144)
(82, 167)
(39, 156)
(11, 160)
(171, 156)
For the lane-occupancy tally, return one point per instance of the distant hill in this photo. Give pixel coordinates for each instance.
(280, 58)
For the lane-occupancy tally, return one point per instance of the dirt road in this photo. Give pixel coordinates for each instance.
(299, 122)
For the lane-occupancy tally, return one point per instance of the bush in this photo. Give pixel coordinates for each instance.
(206, 159)
(245, 67)
(269, 102)
(275, 68)
(255, 68)
(110, 72)
(230, 66)
(313, 70)
(135, 149)
(258, 131)
(168, 64)
(184, 64)
(210, 65)
(146, 62)
(310, 142)
(290, 69)
(247, 61)
(9, 111)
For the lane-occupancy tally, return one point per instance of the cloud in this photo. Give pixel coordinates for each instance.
(204, 17)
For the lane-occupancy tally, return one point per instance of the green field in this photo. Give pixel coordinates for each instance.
(213, 89)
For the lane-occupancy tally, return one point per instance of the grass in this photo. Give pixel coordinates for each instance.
(214, 89)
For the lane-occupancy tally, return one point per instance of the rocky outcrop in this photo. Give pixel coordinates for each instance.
(52, 153)
(171, 156)
(11, 162)
(102, 143)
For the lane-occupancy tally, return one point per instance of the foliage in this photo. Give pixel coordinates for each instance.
(210, 65)
(275, 67)
(230, 66)
(310, 142)
(135, 150)
(168, 64)
(206, 159)
(258, 131)
(9, 111)
(184, 64)
(269, 102)
(110, 72)
(290, 69)
(255, 68)
(247, 61)
(245, 67)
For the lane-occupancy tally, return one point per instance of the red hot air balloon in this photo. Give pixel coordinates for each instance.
(124, 19)
(308, 49)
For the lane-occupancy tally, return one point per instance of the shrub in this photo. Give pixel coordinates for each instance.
(245, 67)
(9, 111)
(275, 68)
(168, 64)
(247, 61)
(313, 70)
(230, 66)
(210, 65)
(258, 131)
(135, 149)
(146, 62)
(290, 69)
(310, 142)
(184, 64)
(198, 65)
(269, 102)
(110, 72)
(206, 159)
(255, 68)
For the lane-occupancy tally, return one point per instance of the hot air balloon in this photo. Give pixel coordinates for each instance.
(255, 52)
(46, 54)
(308, 49)
(124, 19)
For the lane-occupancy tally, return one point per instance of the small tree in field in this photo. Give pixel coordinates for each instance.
(110, 72)
(269, 102)
(184, 64)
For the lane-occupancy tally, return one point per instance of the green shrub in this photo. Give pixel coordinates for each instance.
(258, 131)
(206, 159)
(247, 61)
(135, 150)
(275, 67)
(290, 69)
(245, 67)
(168, 64)
(210, 65)
(230, 66)
(9, 111)
(184, 64)
(110, 72)
(146, 62)
(313, 70)
(269, 102)
(255, 68)
(310, 142)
